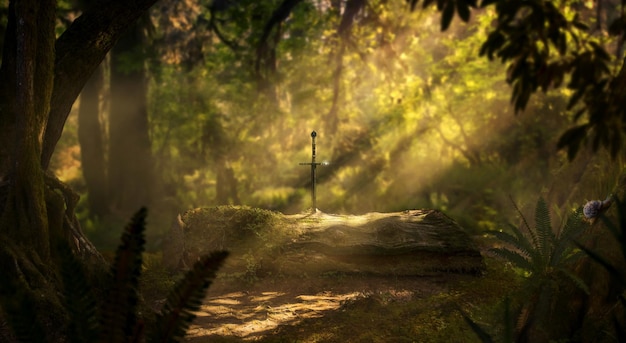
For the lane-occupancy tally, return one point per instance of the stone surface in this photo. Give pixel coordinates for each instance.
(408, 243)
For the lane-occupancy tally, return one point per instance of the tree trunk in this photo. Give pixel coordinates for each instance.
(90, 136)
(79, 51)
(40, 82)
(31, 39)
(130, 155)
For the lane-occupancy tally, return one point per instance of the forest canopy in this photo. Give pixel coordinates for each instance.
(429, 103)
(404, 110)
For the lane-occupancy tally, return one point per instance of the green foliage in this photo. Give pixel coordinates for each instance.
(79, 298)
(119, 311)
(618, 231)
(186, 297)
(115, 318)
(539, 250)
(546, 257)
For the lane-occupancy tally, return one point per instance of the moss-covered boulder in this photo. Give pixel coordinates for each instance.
(416, 242)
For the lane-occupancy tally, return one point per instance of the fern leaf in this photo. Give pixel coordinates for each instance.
(520, 213)
(508, 321)
(78, 298)
(528, 228)
(478, 330)
(185, 298)
(515, 242)
(574, 227)
(543, 227)
(514, 257)
(575, 279)
(533, 253)
(119, 308)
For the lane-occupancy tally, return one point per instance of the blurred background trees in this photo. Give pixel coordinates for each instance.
(409, 116)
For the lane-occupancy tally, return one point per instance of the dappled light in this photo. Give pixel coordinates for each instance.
(249, 316)
(354, 170)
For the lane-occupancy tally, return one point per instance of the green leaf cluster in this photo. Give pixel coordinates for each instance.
(539, 250)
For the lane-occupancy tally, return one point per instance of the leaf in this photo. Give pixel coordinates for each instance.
(78, 296)
(479, 331)
(574, 227)
(517, 259)
(447, 15)
(486, 3)
(576, 97)
(463, 10)
(600, 52)
(119, 309)
(520, 242)
(580, 25)
(572, 138)
(186, 298)
(543, 227)
(576, 280)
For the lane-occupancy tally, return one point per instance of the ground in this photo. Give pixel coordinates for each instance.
(254, 300)
(353, 308)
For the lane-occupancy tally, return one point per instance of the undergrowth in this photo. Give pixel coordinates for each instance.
(117, 316)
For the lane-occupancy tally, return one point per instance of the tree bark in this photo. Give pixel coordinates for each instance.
(90, 137)
(88, 40)
(25, 217)
(40, 82)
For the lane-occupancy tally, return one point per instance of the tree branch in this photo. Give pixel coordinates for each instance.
(79, 51)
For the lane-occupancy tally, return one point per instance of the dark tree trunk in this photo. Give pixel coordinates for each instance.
(30, 69)
(40, 81)
(90, 137)
(130, 156)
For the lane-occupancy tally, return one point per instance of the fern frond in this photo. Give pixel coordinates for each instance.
(78, 298)
(514, 257)
(185, 298)
(519, 211)
(575, 279)
(574, 227)
(531, 232)
(119, 308)
(533, 253)
(516, 242)
(543, 227)
(478, 330)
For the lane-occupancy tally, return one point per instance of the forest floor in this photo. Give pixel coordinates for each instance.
(352, 308)
(251, 301)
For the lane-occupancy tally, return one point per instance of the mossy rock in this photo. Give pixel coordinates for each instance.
(416, 242)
